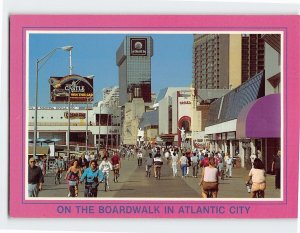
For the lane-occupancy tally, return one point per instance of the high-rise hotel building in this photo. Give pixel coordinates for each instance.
(225, 61)
(133, 59)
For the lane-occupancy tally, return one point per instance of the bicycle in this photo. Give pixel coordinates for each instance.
(92, 189)
(58, 176)
(258, 193)
(72, 187)
(209, 193)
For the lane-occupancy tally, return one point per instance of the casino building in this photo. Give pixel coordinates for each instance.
(133, 59)
(99, 120)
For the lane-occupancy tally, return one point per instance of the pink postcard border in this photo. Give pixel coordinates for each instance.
(19, 24)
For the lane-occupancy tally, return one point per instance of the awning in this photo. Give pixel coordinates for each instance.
(40, 150)
(260, 118)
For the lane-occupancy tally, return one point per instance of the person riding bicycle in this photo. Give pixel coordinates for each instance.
(105, 166)
(92, 177)
(116, 163)
(149, 164)
(59, 164)
(210, 179)
(157, 160)
(72, 177)
(258, 177)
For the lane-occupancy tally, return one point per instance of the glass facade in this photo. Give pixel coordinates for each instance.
(229, 106)
(134, 62)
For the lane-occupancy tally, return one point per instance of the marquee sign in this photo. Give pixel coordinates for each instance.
(80, 89)
(138, 47)
(75, 115)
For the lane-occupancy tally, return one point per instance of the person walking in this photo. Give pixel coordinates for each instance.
(35, 177)
(183, 165)
(149, 164)
(42, 165)
(139, 158)
(252, 158)
(276, 166)
(229, 164)
(189, 163)
(195, 162)
(174, 159)
(220, 166)
(157, 160)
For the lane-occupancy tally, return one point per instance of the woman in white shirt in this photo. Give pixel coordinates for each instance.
(258, 176)
(210, 179)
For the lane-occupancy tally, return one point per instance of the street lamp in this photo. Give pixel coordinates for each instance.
(99, 123)
(87, 118)
(106, 143)
(39, 63)
(193, 122)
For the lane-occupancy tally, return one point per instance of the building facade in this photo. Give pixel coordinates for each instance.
(225, 61)
(133, 59)
(93, 126)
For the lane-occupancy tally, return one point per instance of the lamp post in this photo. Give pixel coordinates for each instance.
(87, 118)
(69, 49)
(106, 131)
(193, 125)
(39, 63)
(99, 136)
(86, 130)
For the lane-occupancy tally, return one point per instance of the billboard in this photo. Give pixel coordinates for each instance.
(80, 88)
(138, 47)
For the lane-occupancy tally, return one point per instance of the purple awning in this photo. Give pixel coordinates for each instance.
(260, 118)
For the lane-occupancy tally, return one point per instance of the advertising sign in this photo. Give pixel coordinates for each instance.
(75, 115)
(137, 196)
(138, 47)
(80, 89)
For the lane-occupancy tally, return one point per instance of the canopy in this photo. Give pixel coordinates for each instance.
(260, 118)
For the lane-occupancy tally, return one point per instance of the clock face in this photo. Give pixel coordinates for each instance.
(138, 45)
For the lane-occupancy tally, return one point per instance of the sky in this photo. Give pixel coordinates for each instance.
(95, 54)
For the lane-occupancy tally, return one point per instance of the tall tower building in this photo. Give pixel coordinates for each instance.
(133, 59)
(253, 55)
(225, 61)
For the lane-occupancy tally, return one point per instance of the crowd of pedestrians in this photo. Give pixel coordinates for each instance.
(91, 169)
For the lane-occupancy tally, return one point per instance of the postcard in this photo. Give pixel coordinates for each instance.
(154, 116)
